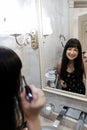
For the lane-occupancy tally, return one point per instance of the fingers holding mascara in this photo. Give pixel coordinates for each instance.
(36, 104)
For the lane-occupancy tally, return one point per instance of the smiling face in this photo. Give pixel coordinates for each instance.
(72, 53)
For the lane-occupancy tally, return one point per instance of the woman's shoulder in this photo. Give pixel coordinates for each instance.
(58, 67)
(59, 64)
(85, 66)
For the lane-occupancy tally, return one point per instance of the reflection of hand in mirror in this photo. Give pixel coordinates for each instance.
(84, 53)
(63, 84)
(84, 56)
(72, 68)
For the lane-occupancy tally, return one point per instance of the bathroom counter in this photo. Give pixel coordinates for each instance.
(66, 123)
(48, 123)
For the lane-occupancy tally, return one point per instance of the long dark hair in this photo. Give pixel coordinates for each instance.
(78, 62)
(10, 69)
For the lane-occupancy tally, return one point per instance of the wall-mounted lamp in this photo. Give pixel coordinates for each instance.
(23, 40)
(46, 24)
(34, 39)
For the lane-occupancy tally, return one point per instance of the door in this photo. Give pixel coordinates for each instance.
(82, 22)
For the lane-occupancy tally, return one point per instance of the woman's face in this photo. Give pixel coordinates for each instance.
(72, 53)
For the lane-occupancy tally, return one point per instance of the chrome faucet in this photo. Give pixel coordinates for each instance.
(81, 120)
(60, 116)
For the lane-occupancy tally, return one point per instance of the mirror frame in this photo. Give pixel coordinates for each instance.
(42, 58)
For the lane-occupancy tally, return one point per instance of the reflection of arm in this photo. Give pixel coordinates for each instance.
(85, 66)
(58, 86)
(85, 60)
(58, 67)
(84, 56)
(61, 82)
(84, 75)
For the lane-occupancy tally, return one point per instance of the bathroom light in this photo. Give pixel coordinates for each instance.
(46, 24)
(27, 38)
(18, 41)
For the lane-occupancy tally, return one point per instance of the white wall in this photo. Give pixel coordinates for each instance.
(77, 12)
(19, 16)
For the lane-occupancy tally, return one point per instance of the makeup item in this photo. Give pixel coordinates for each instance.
(28, 90)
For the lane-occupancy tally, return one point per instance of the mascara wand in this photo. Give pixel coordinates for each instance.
(28, 90)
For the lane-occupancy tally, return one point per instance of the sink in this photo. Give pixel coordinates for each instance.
(47, 124)
(49, 128)
(65, 124)
(54, 128)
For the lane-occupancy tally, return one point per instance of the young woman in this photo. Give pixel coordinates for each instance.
(14, 106)
(71, 70)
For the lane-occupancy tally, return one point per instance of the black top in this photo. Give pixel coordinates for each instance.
(73, 83)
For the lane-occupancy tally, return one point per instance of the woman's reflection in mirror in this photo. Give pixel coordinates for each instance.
(71, 69)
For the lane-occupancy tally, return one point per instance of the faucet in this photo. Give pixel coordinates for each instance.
(81, 120)
(60, 116)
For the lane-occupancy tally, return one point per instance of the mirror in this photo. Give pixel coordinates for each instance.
(60, 21)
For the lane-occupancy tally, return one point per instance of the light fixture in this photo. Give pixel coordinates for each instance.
(24, 39)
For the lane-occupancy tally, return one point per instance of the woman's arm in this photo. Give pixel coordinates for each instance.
(58, 67)
(62, 82)
(32, 109)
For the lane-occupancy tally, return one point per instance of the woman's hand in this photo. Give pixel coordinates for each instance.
(32, 109)
(63, 84)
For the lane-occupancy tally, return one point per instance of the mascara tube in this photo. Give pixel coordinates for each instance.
(28, 90)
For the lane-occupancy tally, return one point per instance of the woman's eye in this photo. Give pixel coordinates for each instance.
(69, 49)
(76, 50)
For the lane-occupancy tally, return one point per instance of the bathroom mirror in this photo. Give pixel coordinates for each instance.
(60, 20)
